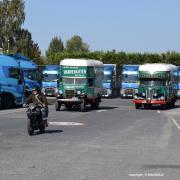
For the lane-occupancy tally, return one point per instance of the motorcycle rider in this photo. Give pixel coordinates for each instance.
(37, 98)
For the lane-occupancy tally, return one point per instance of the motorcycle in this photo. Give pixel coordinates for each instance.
(35, 120)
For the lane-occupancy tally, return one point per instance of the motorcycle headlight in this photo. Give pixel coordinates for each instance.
(60, 91)
(78, 92)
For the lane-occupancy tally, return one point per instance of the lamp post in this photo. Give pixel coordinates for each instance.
(8, 45)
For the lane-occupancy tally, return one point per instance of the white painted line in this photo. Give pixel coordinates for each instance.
(65, 124)
(103, 110)
(175, 122)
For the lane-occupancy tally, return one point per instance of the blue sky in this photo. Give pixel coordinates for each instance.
(123, 25)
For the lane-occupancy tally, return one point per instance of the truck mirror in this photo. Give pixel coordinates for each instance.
(90, 82)
(20, 81)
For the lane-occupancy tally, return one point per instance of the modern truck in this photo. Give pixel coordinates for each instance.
(50, 81)
(11, 82)
(111, 80)
(31, 73)
(129, 80)
(81, 83)
(178, 84)
(157, 86)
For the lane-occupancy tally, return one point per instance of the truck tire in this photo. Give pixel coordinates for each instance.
(83, 106)
(57, 105)
(95, 105)
(137, 106)
(7, 101)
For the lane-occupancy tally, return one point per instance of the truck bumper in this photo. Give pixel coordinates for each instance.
(139, 101)
(70, 100)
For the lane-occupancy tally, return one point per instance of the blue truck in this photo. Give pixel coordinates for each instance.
(11, 82)
(110, 81)
(129, 81)
(31, 73)
(50, 81)
(178, 85)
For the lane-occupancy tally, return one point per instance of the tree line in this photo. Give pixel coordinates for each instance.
(14, 38)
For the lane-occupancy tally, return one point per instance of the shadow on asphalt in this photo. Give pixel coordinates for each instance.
(53, 131)
(107, 107)
(161, 166)
(88, 109)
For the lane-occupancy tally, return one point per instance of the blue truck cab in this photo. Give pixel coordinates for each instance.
(31, 73)
(109, 80)
(129, 81)
(178, 84)
(50, 82)
(11, 82)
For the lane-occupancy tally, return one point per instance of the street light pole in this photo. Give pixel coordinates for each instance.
(8, 45)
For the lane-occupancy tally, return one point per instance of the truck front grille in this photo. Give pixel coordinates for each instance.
(129, 92)
(70, 93)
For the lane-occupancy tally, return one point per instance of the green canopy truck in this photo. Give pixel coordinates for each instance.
(81, 83)
(157, 86)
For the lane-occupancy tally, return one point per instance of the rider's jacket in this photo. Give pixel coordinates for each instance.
(37, 99)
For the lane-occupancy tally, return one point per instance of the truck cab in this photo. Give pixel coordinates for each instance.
(129, 81)
(11, 82)
(157, 86)
(81, 83)
(50, 81)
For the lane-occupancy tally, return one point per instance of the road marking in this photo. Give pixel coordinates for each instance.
(175, 122)
(65, 124)
(158, 111)
(103, 110)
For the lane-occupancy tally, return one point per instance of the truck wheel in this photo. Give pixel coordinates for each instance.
(7, 101)
(30, 127)
(57, 106)
(83, 106)
(95, 105)
(137, 106)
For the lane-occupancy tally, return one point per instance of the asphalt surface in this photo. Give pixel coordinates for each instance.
(111, 143)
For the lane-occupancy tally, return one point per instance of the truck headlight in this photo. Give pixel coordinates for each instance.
(43, 90)
(161, 98)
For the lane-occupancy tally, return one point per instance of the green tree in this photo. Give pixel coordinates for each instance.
(55, 46)
(12, 16)
(26, 46)
(76, 44)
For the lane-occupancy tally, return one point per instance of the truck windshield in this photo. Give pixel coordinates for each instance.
(129, 78)
(50, 77)
(75, 81)
(152, 82)
(32, 74)
(107, 78)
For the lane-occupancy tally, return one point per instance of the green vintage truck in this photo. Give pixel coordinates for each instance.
(157, 86)
(80, 83)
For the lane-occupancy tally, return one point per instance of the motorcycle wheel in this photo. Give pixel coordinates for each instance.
(42, 127)
(29, 127)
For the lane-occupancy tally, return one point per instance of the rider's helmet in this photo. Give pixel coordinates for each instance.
(36, 90)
